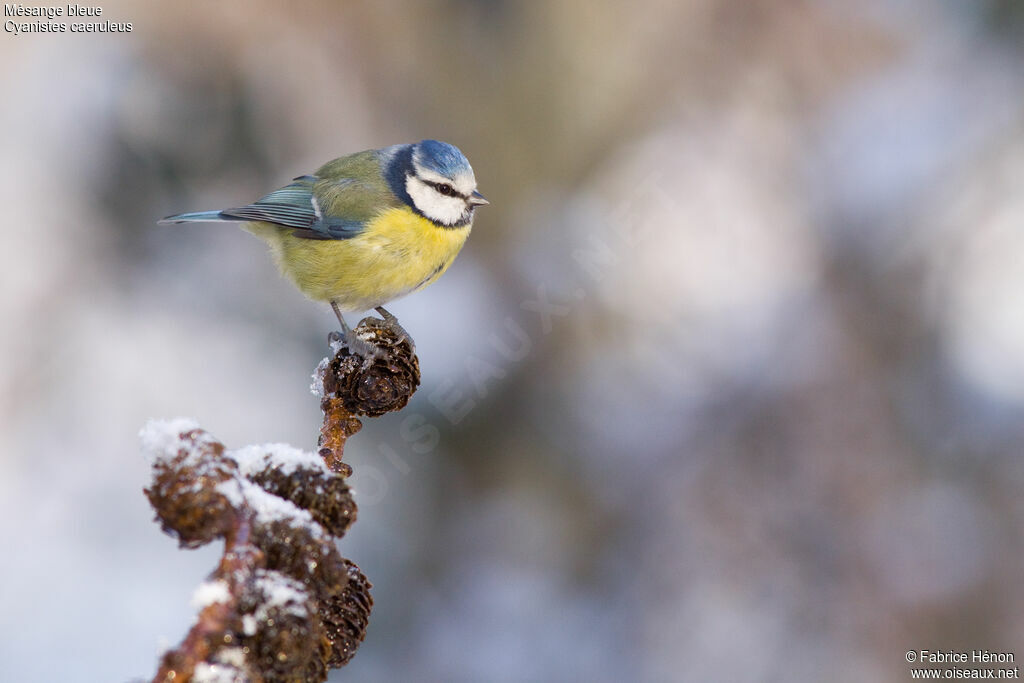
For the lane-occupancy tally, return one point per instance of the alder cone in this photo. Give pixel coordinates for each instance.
(386, 383)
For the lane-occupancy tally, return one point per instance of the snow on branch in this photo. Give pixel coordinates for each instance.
(282, 604)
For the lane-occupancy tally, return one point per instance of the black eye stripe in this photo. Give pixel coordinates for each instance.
(438, 186)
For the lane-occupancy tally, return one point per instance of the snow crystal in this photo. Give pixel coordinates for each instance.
(231, 656)
(281, 590)
(162, 438)
(317, 387)
(267, 507)
(215, 673)
(209, 593)
(254, 459)
(232, 490)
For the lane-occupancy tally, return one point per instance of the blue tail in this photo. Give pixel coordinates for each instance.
(197, 217)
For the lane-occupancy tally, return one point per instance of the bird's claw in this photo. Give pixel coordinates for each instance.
(349, 340)
(391, 322)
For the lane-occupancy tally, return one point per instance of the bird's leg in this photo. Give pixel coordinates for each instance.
(345, 329)
(392, 322)
(349, 339)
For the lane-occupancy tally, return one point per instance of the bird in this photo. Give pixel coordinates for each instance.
(366, 228)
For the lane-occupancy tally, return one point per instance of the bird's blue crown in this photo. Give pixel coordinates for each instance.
(440, 157)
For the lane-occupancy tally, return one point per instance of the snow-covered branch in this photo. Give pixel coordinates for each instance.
(282, 604)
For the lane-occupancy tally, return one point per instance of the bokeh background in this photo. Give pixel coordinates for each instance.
(728, 383)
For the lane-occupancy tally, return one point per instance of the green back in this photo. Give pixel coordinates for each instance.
(353, 187)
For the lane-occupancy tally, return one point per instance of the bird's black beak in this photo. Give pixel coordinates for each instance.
(477, 199)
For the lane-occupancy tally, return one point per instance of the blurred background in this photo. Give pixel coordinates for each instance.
(728, 383)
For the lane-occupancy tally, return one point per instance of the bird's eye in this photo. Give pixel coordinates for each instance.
(445, 189)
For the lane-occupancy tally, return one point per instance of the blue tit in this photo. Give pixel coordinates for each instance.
(366, 228)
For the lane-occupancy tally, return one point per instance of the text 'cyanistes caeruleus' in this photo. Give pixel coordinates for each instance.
(366, 228)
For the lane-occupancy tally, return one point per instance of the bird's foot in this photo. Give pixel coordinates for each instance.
(349, 339)
(391, 322)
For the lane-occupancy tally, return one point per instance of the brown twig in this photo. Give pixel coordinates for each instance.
(282, 605)
(350, 385)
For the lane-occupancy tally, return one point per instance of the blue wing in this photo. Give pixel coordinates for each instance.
(293, 206)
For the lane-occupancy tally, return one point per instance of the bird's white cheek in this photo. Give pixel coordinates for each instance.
(433, 204)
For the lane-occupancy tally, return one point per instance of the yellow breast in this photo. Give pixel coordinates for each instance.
(398, 252)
